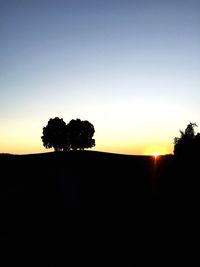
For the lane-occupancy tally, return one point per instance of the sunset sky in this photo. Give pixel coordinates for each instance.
(130, 67)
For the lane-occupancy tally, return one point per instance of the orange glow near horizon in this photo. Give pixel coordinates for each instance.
(27, 140)
(32, 146)
(156, 150)
(156, 154)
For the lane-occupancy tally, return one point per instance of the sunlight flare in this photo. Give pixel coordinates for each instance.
(155, 150)
(156, 154)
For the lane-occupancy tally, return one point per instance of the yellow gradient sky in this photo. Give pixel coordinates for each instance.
(132, 68)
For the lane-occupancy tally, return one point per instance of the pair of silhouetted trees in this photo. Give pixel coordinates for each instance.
(188, 144)
(75, 135)
(78, 134)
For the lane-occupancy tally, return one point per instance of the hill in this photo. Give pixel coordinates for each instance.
(37, 190)
(79, 179)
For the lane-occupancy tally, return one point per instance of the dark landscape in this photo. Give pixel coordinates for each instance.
(52, 189)
(81, 179)
(81, 77)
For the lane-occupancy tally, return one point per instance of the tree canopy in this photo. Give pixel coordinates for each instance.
(188, 144)
(80, 134)
(75, 135)
(55, 134)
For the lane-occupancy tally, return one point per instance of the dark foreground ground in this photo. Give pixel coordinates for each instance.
(47, 186)
(81, 179)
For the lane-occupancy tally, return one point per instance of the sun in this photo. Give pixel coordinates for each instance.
(155, 150)
(155, 154)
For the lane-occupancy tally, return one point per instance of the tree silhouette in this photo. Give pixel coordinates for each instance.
(188, 143)
(75, 135)
(80, 134)
(186, 164)
(55, 135)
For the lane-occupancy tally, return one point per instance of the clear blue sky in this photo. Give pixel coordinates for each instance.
(132, 68)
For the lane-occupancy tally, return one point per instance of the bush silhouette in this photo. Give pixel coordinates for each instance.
(55, 135)
(75, 135)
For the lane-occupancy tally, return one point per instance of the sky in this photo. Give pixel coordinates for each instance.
(130, 67)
